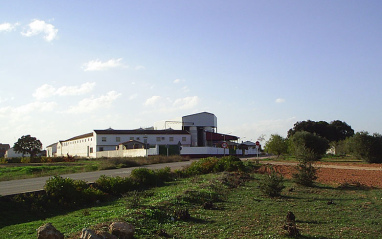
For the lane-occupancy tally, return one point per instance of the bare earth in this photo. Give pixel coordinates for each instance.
(366, 174)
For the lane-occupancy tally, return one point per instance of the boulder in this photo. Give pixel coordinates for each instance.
(48, 231)
(122, 230)
(89, 234)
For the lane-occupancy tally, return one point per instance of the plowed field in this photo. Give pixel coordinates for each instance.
(363, 175)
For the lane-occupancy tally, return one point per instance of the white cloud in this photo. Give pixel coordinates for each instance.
(97, 65)
(176, 81)
(169, 105)
(37, 27)
(186, 103)
(46, 91)
(139, 68)
(17, 113)
(92, 104)
(75, 90)
(280, 100)
(152, 100)
(7, 27)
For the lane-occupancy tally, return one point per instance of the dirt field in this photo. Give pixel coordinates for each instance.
(332, 176)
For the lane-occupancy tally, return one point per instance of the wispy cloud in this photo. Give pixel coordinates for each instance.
(37, 27)
(46, 91)
(7, 27)
(92, 104)
(186, 103)
(97, 65)
(280, 100)
(18, 112)
(168, 104)
(152, 100)
(177, 81)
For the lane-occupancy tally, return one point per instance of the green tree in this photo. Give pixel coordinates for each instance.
(28, 145)
(366, 147)
(276, 145)
(335, 131)
(308, 147)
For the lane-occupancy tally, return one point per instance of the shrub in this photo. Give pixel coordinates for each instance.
(306, 174)
(144, 177)
(164, 174)
(229, 163)
(272, 184)
(308, 147)
(366, 147)
(65, 190)
(114, 185)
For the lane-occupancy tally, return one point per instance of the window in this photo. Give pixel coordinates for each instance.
(100, 148)
(158, 139)
(103, 139)
(118, 139)
(184, 139)
(171, 139)
(91, 150)
(131, 138)
(138, 138)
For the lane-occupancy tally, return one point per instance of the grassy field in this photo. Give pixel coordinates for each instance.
(239, 210)
(30, 170)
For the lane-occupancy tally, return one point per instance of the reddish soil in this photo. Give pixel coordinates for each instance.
(332, 176)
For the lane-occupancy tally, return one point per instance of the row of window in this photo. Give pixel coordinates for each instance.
(77, 141)
(158, 139)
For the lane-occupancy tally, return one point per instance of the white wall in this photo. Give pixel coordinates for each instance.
(12, 154)
(129, 153)
(78, 147)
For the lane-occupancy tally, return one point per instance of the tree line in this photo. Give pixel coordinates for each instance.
(309, 141)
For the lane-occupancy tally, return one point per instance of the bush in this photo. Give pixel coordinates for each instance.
(144, 177)
(272, 184)
(306, 174)
(366, 147)
(114, 185)
(229, 163)
(308, 147)
(65, 191)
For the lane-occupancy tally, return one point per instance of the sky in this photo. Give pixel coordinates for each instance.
(69, 67)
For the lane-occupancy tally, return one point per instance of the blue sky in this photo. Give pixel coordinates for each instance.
(68, 67)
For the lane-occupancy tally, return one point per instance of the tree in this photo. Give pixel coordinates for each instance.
(366, 147)
(335, 131)
(308, 147)
(276, 145)
(28, 145)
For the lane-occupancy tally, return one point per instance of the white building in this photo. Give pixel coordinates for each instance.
(88, 145)
(196, 134)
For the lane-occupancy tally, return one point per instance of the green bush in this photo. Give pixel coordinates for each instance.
(272, 184)
(306, 174)
(144, 177)
(366, 147)
(229, 163)
(164, 174)
(114, 185)
(65, 191)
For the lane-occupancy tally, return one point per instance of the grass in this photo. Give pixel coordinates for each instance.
(238, 212)
(31, 170)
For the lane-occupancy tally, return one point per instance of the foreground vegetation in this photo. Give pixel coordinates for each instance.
(203, 202)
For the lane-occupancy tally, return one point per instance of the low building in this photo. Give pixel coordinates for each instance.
(3, 149)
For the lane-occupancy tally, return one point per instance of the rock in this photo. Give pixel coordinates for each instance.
(106, 235)
(48, 231)
(290, 217)
(89, 234)
(122, 230)
(208, 205)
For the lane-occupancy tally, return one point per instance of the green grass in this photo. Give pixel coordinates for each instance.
(239, 212)
(31, 170)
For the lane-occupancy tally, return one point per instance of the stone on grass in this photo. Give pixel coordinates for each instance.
(48, 231)
(122, 230)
